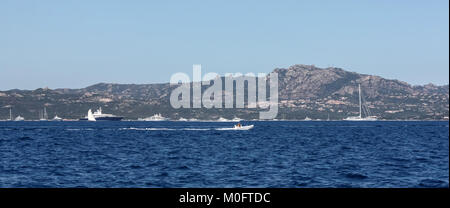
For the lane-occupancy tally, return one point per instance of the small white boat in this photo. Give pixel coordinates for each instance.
(156, 117)
(236, 119)
(243, 127)
(221, 119)
(236, 127)
(56, 118)
(19, 118)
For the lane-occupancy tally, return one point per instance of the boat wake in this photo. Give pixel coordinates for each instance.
(80, 129)
(184, 129)
(148, 129)
(230, 129)
(164, 129)
(237, 128)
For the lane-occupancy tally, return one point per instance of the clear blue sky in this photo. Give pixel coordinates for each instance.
(74, 44)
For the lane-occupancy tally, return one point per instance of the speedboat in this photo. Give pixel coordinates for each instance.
(237, 127)
(243, 127)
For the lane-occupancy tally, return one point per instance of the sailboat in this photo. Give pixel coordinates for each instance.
(10, 115)
(44, 116)
(18, 118)
(360, 117)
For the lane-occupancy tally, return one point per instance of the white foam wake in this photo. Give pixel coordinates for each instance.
(164, 129)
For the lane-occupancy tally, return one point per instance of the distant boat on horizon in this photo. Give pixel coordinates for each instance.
(56, 118)
(99, 116)
(236, 119)
(221, 119)
(19, 118)
(10, 115)
(156, 117)
(360, 117)
(43, 116)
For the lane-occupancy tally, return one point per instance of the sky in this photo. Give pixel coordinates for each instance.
(74, 44)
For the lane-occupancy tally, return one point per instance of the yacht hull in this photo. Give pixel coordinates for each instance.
(104, 119)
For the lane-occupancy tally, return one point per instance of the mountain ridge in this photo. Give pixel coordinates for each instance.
(304, 91)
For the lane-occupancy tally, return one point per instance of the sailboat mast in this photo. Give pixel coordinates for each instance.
(10, 114)
(360, 107)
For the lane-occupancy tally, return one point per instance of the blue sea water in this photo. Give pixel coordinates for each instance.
(197, 154)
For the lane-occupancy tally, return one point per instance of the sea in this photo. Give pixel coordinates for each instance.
(295, 154)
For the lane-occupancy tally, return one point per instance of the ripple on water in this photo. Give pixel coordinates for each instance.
(357, 176)
(433, 183)
(274, 154)
(25, 138)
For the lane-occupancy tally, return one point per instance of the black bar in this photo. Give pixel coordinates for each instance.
(248, 197)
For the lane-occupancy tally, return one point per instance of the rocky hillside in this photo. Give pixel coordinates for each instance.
(305, 81)
(304, 91)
